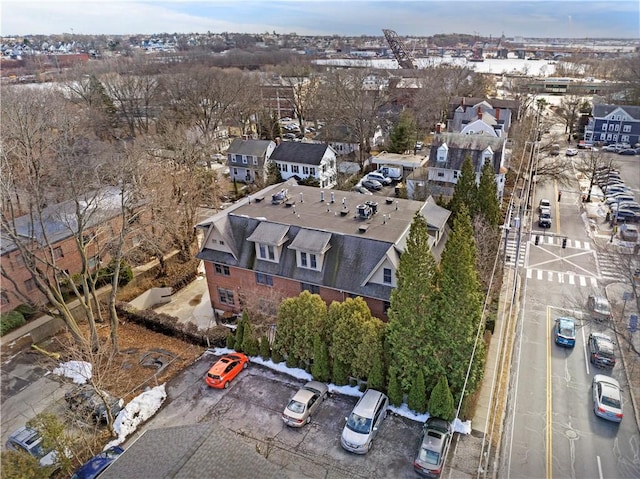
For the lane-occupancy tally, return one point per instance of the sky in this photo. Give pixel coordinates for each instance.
(537, 18)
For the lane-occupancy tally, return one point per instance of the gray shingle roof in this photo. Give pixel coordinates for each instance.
(299, 152)
(200, 450)
(460, 146)
(256, 148)
(600, 110)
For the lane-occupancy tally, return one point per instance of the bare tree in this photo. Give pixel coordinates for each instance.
(304, 84)
(588, 165)
(569, 111)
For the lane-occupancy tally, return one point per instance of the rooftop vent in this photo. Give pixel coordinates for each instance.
(364, 211)
(322, 196)
(333, 197)
(363, 228)
(373, 205)
(279, 197)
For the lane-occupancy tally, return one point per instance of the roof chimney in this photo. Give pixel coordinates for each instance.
(278, 140)
(479, 113)
(497, 114)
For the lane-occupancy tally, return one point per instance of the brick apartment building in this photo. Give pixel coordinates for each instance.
(292, 238)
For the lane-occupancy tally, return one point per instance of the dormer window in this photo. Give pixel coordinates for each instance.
(310, 247)
(267, 252)
(442, 153)
(268, 239)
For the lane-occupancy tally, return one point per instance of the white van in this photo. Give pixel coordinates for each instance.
(378, 177)
(364, 421)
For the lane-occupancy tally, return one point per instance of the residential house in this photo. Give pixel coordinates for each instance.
(448, 152)
(481, 118)
(344, 141)
(248, 159)
(54, 241)
(408, 163)
(294, 238)
(301, 160)
(613, 124)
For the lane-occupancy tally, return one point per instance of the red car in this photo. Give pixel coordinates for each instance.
(225, 369)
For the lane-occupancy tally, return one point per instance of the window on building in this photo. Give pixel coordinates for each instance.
(267, 252)
(238, 158)
(225, 296)
(313, 260)
(625, 138)
(604, 127)
(312, 171)
(255, 160)
(57, 252)
(303, 259)
(305, 170)
(455, 174)
(626, 128)
(285, 168)
(94, 261)
(222, 269)
(617, 127)
(265, 279)
(30, 284)
(295, 169)
(386, 306)
(4, 298)
(441, 174)
(386, 275)
(235, 172)
(312, 288)
(244, 160)
(611, 126)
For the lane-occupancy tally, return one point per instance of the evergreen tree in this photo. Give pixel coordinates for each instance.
(276, 357)
(273, 173)
(465, 192)
(265, 348)
(348, 318)
(488, 203)
(417, 400)
(458, 306)
(240, 331)
(441, 401)
(340, 374)
(375, 379)
(298, 320)
(320, 368)
(410, 323)
(403, 134)
(394, 392)
(249, 341)
(231, 341)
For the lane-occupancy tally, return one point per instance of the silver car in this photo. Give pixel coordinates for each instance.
(607, 398)
(304, 404)
(436, 436)
(364, 421)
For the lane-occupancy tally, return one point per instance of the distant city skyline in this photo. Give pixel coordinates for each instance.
(543, 19)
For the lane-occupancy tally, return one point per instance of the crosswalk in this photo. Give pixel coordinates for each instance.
(562, 278)
(608, 264)
(511, 250)
(557, 241)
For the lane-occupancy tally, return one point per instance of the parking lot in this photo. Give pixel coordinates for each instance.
(252, 408)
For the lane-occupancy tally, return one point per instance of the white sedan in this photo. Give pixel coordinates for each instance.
(607, 399)
(571, 152)
(304, 403)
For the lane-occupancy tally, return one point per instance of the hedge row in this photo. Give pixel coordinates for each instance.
(170, 326)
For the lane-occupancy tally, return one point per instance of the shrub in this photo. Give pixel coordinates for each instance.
(441, 400)
(276, 357)
(231, 341)
(292, 362)
(340, 375)
(376, 376)
(320, 369)
(26, 310)
(394, 392)
(10, 321)
(251, 346)
(240, 332)
(265, 348)
(417, 400)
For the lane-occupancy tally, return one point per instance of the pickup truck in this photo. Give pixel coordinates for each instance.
(395, 173)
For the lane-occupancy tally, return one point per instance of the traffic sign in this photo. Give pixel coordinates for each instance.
(633, 323)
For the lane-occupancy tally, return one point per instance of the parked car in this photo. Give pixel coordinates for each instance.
(613, 189)
(607, 398)
(418, 146)
(624, 215)
(625, 205)
(372, 185)
(628, 151)
(564, 332)
(29, 441)
(361, 189)
(363, 423)
(304, 404)
(395, 173)
(289, 136)
(98, 463)
(92, 403)
(601, 351)
(436, 435)
(378, 177)
(544, 219)
(629, 233)
(226, 369)
(571, 152)
(619, 198)
(599, 307)
(544, 203)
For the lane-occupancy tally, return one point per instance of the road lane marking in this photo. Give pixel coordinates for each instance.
(539, 274)
(594, 282)
(587, 245)
(548, 445)
(576, 244)
(549, 275)
(572, 279)
(584, 349)
(529, 273)
(599, 467)
(560, 277)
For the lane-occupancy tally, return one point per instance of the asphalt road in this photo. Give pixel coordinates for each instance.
(551, 430)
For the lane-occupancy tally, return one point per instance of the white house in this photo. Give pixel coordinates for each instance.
(247, 159)
(301, 160)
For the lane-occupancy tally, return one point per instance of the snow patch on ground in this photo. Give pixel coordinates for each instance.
(78, 371)
(457, 425)
(137, 411)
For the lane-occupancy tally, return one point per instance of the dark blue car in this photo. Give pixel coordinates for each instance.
(97, 464)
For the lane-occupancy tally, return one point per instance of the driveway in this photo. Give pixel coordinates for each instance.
(252, 408)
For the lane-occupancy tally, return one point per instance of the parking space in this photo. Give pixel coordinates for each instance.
(252, 408)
